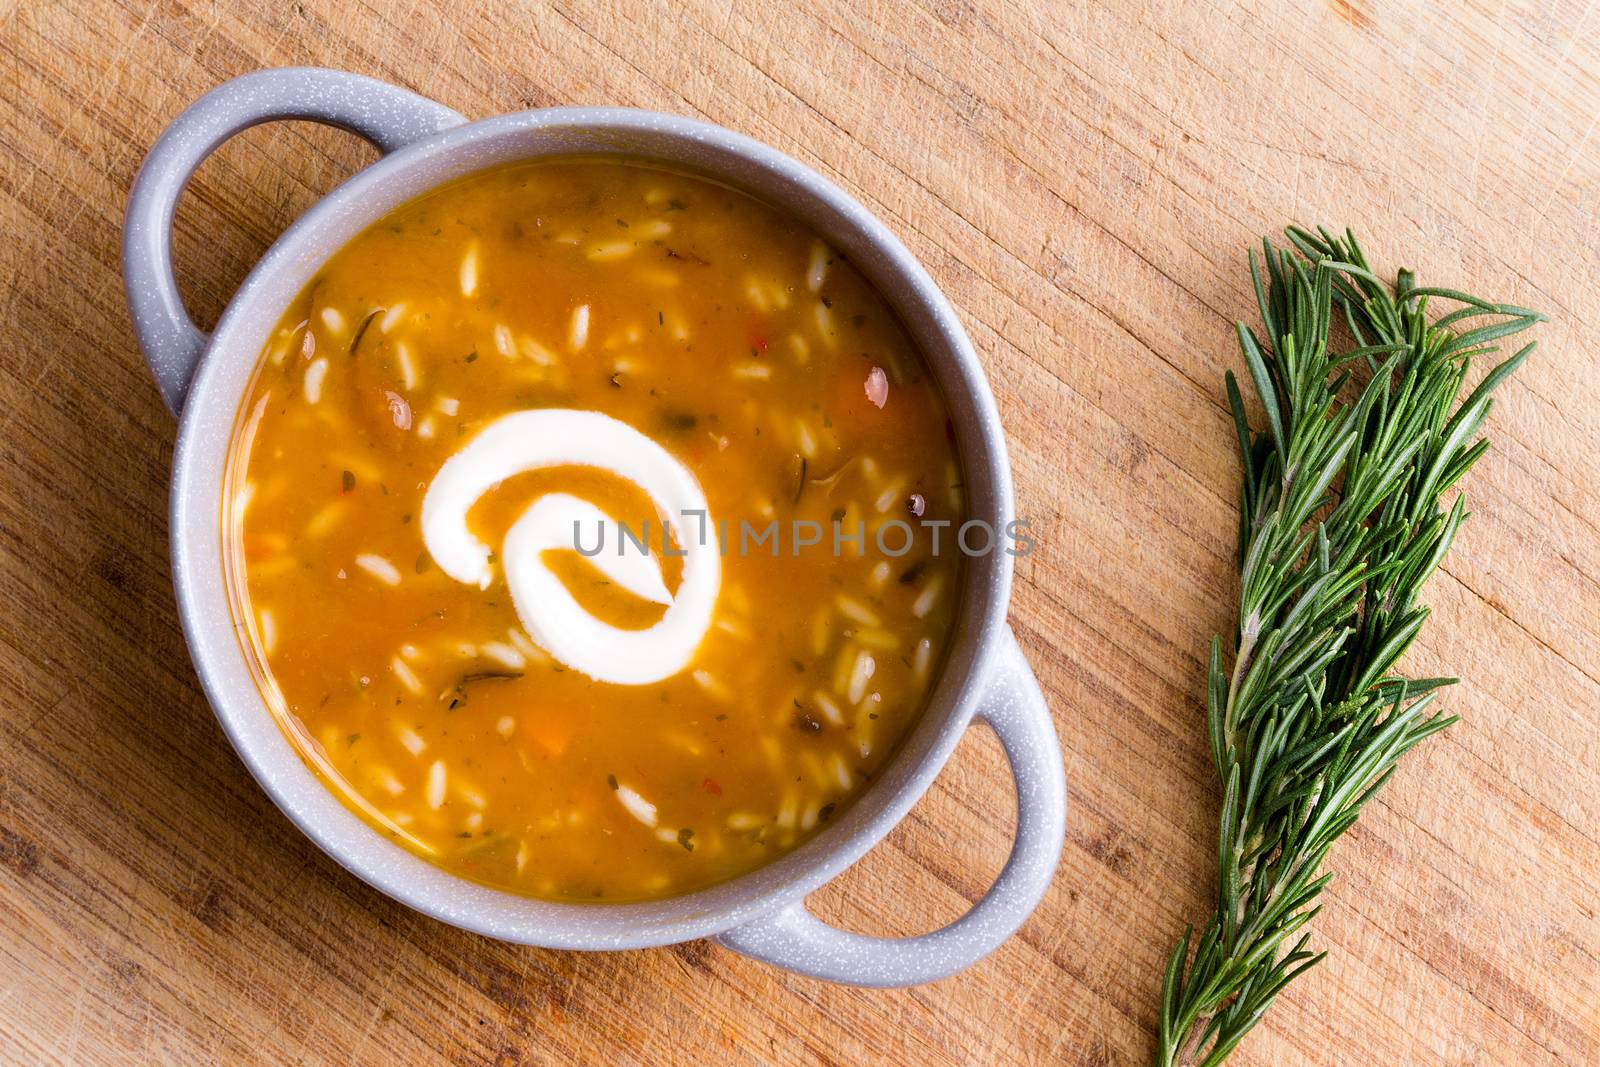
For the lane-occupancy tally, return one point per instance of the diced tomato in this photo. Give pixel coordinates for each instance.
(876, 387)
(756, 333)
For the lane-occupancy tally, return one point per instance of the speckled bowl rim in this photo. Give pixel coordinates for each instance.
(196, 513)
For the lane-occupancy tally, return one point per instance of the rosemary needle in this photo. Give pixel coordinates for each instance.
(1341, 521)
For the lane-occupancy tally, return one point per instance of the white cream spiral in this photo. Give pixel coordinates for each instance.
(557, 437)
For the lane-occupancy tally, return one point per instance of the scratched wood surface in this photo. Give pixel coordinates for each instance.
(1083, 182)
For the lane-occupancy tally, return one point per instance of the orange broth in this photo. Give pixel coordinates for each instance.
(729, 334)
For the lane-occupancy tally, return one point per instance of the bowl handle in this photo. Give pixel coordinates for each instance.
(1015, 710)
(387, 115)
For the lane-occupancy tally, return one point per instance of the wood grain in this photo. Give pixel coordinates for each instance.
(1083, 181)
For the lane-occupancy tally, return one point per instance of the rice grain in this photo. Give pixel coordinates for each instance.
(314, 376)
(469, 271)
(434, 790)
(637, 806)
(379, 568)
(578, 333)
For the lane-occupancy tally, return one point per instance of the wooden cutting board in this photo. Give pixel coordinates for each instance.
(1083, 181)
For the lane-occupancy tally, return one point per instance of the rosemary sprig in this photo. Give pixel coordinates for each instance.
(1340, 524)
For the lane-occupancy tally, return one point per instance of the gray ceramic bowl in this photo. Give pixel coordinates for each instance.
(761, 914)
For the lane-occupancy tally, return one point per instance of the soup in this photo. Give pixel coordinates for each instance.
(582, 527)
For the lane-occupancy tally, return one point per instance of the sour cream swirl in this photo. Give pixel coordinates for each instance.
(558, 437)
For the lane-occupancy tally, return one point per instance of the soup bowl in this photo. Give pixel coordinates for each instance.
(202, 378)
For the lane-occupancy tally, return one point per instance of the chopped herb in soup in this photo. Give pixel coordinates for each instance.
(582, 526)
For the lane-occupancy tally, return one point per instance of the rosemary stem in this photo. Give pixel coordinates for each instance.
(1341, 525)
(1191, 1049)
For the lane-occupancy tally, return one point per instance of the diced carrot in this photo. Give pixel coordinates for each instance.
(550, 732)
(258, 549)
